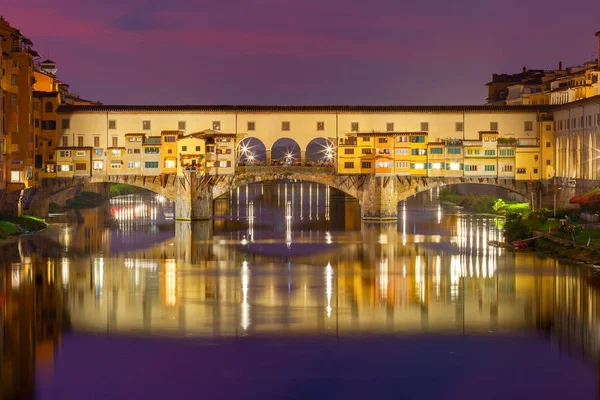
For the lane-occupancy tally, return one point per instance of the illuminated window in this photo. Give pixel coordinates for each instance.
(170, 163)
(116, 152)
(133, 164)
(65, 167)
(437, 165)
(402, 152)
(402, 139)
(98, 165)
(16, 176)
(224, 164)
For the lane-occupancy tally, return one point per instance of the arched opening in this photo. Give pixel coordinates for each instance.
(251, 151)
(273, 206)
(285, 152)
(320, 152)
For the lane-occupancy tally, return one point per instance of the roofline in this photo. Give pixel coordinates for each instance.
(302, 108)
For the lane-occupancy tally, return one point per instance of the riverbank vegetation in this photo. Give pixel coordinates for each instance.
(13, 226)
(484, 203)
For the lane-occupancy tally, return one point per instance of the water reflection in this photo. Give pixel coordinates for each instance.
(430, 272)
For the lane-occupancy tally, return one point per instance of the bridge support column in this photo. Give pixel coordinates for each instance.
(380, 199)
(268, 158)
(193, 202)
(302, 157)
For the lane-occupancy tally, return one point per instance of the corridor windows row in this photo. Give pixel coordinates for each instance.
(578, 123)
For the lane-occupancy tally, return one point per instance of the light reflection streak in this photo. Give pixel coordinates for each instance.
(170, 282)
(245, 307)
(328, 287)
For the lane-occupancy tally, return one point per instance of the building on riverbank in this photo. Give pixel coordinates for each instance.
(31, 94)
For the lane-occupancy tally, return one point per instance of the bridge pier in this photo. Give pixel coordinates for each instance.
(379, 200)
(193, 202)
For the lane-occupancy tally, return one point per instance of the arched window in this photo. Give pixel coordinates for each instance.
(48, 106)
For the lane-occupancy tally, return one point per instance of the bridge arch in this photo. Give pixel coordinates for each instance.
(320, 150)
(285, 151)
(313, 175)
(37, 199)
(521, 189)
(251, 151)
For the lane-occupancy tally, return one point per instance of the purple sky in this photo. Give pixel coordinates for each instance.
(301, 52)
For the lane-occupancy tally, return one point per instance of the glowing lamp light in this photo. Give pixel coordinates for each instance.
(454, 166)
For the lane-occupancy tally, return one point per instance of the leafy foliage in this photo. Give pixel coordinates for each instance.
(516, 227)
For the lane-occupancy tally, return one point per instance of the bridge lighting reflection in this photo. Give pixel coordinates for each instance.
(328, 287)
(383, 239)
(383, 278)
(245, 317)
(15, 276)
(251, 221)
(170, 282)
(328, 238)
(160, 198)
(98, 275)
(64, 271)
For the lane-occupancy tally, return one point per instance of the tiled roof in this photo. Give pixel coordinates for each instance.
(300, 108)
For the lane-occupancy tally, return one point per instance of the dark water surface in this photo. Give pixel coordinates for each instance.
(287, 294)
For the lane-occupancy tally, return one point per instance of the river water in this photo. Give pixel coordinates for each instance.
(288, 294)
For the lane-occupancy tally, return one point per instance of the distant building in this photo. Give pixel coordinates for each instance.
(540, 87)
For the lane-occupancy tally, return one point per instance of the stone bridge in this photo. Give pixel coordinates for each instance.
(194, 193)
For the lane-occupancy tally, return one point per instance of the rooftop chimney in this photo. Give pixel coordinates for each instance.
(48, 66)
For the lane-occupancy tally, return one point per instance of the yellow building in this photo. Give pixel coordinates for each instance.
(383, 143)
(191, 150)
(168, 151)
(527, 160)
(402, 154)
(548, 146)
(132, 158)
(151, 156)
(17, 65)
(436, 159)
(418, 153)
(454, 157)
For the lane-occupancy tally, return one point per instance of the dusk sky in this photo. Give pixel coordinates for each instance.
(301, 52)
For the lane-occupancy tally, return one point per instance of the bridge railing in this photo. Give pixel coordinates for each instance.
(284, 169)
